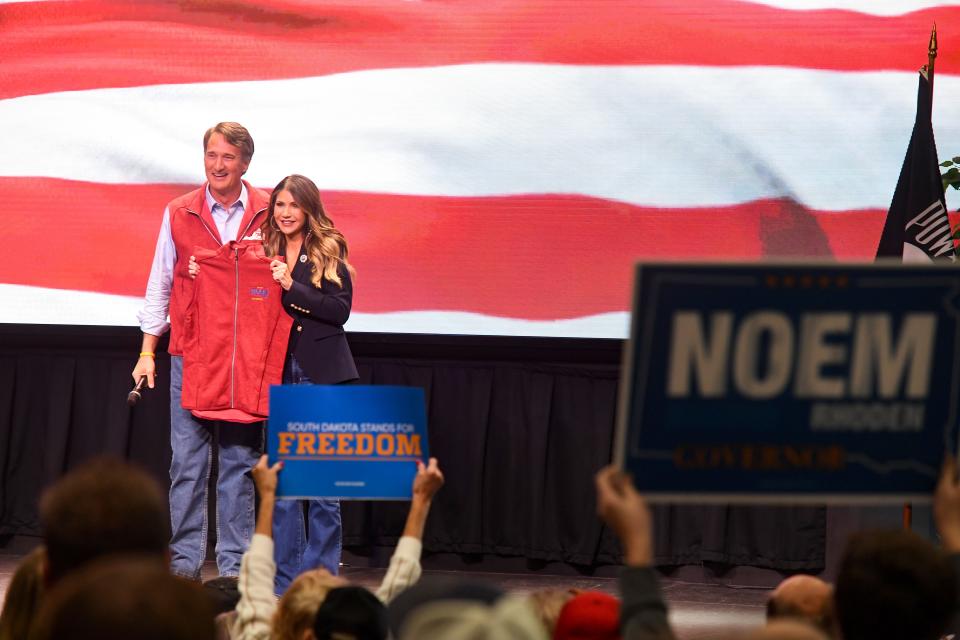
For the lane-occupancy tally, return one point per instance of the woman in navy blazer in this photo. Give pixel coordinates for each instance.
(312, 269)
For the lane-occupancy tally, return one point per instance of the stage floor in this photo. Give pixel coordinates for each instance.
(698, 610)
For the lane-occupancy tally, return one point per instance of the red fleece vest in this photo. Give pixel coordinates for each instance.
(192, 228)
(234, 335)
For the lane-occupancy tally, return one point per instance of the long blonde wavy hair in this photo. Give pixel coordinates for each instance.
(324, 244)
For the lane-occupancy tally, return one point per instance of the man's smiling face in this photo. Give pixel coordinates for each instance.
(225, 166)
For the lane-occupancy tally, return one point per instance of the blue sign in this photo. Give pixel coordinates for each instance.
(347, 441)
(790, 382)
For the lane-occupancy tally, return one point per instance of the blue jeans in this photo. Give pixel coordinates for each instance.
(191, 441)
(304, 541)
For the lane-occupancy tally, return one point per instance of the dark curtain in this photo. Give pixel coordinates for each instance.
(518, 442)
(58, 410)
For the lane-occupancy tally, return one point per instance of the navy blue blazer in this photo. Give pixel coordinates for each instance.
(317, 339)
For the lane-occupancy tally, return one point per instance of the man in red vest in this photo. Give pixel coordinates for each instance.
(226, 208)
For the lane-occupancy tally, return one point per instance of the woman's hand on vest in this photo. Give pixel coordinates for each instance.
(281, 273)
(193, 268)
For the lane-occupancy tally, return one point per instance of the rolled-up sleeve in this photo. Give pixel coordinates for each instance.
(156, 304)
(404, 569)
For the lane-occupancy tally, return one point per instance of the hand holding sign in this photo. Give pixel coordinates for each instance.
(428, 480)
(426, 483)
(265, 479)
(265, 476)
(626, 512)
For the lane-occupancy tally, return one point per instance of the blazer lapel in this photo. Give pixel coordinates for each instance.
(300, 270)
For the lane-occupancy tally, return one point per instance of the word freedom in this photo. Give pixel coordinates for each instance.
(346, 445)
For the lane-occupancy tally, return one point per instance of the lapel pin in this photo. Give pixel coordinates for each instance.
(303, 258)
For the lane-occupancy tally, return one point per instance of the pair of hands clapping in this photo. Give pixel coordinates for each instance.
(279, 269)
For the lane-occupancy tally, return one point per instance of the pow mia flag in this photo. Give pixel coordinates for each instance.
(917, 227)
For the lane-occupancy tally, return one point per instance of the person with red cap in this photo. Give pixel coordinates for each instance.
(590, 615)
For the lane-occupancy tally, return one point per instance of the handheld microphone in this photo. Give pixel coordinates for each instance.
(134, 396)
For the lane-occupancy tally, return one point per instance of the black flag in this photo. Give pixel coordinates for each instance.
(917, 227)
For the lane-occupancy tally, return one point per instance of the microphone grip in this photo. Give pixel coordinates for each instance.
(134, 396)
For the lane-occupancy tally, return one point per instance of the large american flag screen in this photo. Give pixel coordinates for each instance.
(497, 166)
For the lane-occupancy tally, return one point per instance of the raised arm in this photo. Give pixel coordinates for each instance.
(404, 569)
(426, 483)
(643, 615)
(265, 480)
(257, 569)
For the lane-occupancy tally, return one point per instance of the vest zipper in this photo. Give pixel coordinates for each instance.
(236, 310)
(239, 236)
(205, 226)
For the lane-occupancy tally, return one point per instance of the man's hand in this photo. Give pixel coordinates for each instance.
(946, 506)
(428, 480)
(146, 366)
(193, 268)
(265, 476)
(626, 512)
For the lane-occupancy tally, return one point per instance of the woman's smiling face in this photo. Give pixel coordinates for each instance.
(288, 215)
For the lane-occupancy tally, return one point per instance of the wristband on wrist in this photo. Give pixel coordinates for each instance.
(147, 353)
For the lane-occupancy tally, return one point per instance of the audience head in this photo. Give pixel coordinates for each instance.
(804, 597)
(436, 589)
(298, 607)
(222, 594)
(223, 624)
(547, 604)
(103, 507)
(591, 615)
(788, 629)
(125, 597)
(351, 613)
(509, 618)
(893, 584)
(23, 597)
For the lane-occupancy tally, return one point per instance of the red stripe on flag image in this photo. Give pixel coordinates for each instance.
(536, 257)
(62, 46)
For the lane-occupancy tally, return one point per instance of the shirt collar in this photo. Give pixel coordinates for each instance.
(242, 200)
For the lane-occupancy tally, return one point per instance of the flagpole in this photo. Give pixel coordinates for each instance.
(927, 71)
(931, 55)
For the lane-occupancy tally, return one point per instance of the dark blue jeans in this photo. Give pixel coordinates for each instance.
(306, 533)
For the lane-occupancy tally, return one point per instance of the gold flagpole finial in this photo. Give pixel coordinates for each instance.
(931, 52)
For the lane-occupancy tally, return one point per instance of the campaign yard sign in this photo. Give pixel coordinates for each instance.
(790, 382)
(351, 442)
